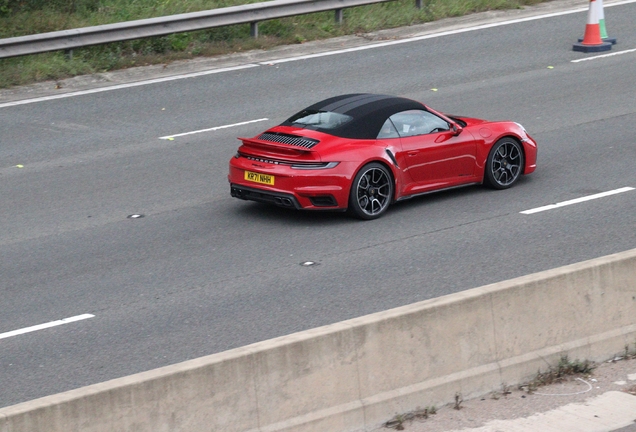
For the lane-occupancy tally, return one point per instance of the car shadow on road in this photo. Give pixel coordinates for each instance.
(254, 212)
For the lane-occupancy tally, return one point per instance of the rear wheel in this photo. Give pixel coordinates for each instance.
(371, 191)
(504, 164)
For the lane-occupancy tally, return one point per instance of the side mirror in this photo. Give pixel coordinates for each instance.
(457, 129)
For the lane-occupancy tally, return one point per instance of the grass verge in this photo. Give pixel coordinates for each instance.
(223, 40)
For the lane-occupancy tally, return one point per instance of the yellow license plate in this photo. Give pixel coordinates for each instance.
(259, 178)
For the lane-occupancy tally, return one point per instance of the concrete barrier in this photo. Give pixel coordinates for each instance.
(356, 374)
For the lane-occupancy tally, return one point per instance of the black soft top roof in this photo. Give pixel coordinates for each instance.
(369, 112)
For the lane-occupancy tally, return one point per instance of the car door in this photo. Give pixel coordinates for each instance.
(435, 156)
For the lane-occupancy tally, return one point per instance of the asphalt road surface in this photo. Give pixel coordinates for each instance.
(202, 272)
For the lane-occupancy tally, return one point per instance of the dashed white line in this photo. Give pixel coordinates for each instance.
(577, 200)
(167, 137)
(45, 325)
(604, 55)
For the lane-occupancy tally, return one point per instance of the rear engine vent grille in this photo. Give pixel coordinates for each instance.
(288, 139)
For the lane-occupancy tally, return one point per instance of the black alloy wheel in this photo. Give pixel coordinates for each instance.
(504, 164)
(371, 191)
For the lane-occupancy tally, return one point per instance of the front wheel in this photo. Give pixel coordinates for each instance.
(371, 191)
(504, 164)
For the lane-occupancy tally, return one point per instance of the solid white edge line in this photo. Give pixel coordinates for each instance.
(440, 34)
(577, 200)
(251, 65)
(603, 56)
(433, 35)
(127, 85)
(167, 137)
(45, 325)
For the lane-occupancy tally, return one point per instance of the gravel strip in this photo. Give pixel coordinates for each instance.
(609, 376)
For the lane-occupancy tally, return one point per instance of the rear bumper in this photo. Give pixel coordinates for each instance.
(326, 189)
(276, 198)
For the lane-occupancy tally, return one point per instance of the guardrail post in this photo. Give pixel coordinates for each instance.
(68, 53)
(338, 16)
(418, 4)
(254, 29)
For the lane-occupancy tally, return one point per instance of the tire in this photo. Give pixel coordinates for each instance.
(371, 192)
(504, 164)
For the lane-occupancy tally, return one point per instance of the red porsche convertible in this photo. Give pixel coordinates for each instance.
(362, 152)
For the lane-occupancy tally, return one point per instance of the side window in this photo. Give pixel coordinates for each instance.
(417, 122)
(388, 130)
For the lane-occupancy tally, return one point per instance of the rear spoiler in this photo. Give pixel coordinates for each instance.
(276, 147)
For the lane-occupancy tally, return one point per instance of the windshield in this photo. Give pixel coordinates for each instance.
(320, 119)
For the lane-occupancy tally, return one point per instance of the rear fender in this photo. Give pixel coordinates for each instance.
(396, 173)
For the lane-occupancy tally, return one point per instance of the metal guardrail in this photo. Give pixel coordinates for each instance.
(250, 13)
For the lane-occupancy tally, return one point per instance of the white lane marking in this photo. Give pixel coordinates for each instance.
(604, 55)
(440, 34)
(127, 85)
(45, 325)
(167, 137)
(577, 200)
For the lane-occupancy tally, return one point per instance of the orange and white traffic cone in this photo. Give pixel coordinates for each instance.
(592, 41)
(601, 23)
